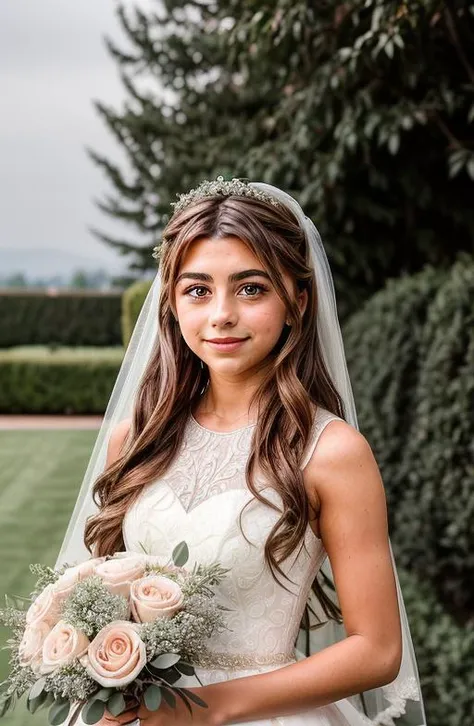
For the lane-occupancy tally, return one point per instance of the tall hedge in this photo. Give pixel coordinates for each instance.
(445, 655)
(382, 342)
(410, 352)
(437, 511)
(62, 318)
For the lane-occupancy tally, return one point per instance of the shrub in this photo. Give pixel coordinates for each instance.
(132, 302)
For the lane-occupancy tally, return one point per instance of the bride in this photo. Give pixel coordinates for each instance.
(232, 426)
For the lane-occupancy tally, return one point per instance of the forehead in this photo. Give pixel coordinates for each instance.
(216, 251)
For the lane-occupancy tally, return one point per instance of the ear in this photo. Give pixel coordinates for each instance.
(302, 300)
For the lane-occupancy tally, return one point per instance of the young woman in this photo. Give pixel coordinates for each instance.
(232, 426)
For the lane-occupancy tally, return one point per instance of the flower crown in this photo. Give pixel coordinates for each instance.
(219, 187)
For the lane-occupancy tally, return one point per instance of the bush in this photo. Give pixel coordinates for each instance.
(65, 318)
(132, 302)
(445, 655)
(436, 514)
(382, 343)
(64, 382)
(410, 353)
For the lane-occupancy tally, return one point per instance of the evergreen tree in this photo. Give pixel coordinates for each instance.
(362, 109)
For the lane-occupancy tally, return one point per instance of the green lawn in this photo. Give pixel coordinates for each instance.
(40, 476)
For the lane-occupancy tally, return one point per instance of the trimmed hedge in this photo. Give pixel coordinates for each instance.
(63, 382)
(64, 318)
(410, 353)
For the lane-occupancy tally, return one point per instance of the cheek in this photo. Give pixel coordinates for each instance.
(268, 322)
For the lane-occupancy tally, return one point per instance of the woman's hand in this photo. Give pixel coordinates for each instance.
(179, 715)
(124, 718)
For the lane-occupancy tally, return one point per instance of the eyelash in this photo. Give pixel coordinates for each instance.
(261, 290)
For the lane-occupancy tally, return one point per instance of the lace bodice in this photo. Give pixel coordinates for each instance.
(199, 500)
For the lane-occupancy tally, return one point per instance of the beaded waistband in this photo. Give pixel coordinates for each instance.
(213, 659)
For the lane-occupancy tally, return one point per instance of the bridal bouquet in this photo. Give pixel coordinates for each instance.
(110, 632)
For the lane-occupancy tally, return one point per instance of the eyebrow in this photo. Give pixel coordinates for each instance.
(234, 277)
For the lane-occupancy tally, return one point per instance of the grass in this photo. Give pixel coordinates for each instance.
(61, 353)
(40, 476)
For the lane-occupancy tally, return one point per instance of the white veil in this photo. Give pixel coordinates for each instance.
(399, 703)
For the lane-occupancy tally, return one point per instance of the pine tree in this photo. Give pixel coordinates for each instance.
(363, 110)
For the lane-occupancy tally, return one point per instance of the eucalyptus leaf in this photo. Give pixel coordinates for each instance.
(169, 697)
(184, 699)
(195, 698)
(180, 554)
(33, 704)
(165, 660)
(5, 705)
(116, 704)
(104, 694)
(92, 711)
(49, 699)
(152, 698)
(186, 668)
(59, 712)
(37, 688)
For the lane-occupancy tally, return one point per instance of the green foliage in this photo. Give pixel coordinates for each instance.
(444, 652)
(362, 110)
(57, 383)
(437, 510)
(68, 318)
(382, 342)
(132, 302)
(410, 354)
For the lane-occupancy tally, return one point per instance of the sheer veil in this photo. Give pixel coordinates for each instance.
(399, 703)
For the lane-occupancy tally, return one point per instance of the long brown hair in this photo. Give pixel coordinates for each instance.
(172, 384)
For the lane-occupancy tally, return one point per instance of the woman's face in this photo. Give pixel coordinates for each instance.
(210, 304)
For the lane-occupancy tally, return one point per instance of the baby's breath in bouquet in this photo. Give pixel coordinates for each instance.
(108, 633)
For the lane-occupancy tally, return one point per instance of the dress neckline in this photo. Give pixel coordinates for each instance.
(220, 433)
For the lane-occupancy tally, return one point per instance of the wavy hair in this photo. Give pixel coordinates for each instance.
(174, 379)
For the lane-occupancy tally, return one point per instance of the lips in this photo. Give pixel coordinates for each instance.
(225, 340)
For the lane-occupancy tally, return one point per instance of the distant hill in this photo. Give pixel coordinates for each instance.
(35, 263)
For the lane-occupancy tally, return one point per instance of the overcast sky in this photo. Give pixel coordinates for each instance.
(53, 63)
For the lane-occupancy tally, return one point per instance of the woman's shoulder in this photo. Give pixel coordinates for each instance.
(117, 439)
(340, 447)
(332, 436)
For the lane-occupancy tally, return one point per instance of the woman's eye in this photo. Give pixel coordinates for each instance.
(191, 289)
(254, 286)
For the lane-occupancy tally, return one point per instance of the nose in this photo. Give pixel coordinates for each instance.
(222, 310)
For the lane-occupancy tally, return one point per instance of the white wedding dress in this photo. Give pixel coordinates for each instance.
(199, 500)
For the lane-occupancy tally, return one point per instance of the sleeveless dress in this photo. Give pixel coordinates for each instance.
(199, 500)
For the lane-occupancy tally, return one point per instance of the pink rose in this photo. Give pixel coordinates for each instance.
(153, 597)
(46, 607)
(62, 645)
(66, 582)
(116, 655)
(31, 645)
(119, 573)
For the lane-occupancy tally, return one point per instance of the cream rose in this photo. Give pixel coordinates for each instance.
(62, 645)
(154, 597)
(119, 573)
(46, 607)
(66, 582)
(31, 645)
(116, 655)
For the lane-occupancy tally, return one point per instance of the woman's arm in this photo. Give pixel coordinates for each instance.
(353, 525)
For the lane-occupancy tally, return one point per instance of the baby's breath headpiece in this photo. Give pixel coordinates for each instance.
(219, 187)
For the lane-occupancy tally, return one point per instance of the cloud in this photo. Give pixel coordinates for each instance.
(53, 63)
